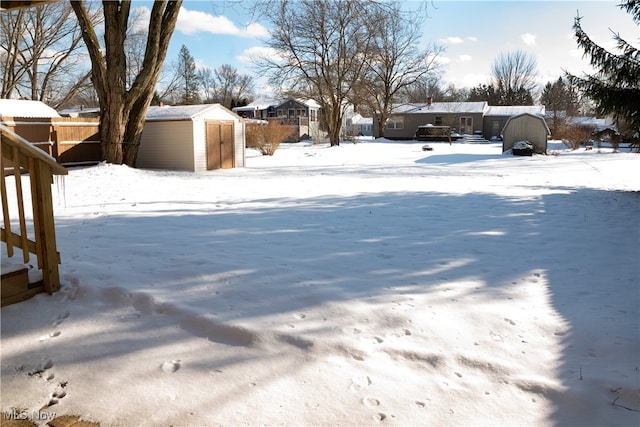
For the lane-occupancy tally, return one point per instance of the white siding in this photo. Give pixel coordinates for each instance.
(239, 146)
(167, 145)
(199, 144)
(175, 137)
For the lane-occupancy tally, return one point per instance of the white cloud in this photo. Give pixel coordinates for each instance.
(443, 60)
(256, 54)
(472, 39)
(254, 29)
(464, 58)
(528, 39)
(452, 40)
(140, 19)
(193, 21)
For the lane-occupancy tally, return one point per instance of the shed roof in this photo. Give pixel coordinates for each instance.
(440, 107)
(183, 112)
(26, 108)
(514, 110)
(519, 116)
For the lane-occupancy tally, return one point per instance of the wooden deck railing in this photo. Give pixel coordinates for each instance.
(19, 155)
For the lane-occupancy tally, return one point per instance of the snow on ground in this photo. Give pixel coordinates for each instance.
(364, 284)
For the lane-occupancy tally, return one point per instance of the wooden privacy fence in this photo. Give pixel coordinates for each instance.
(67, 139)
(19, 155)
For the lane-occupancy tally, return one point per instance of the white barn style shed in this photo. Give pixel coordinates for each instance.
(192, 137)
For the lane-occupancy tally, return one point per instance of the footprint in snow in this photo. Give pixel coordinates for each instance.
(171, 366)
(60, 319)
(51, 335)
(360, 382)
(370, 401)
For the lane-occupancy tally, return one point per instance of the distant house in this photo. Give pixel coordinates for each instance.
(462, 117)
(360, 126)
(192, 137)
(81, 111)
(526, 127)
(304, 116)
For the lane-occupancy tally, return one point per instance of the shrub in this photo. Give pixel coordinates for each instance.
(267, 136)
(574, 135)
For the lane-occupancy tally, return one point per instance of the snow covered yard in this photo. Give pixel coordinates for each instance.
(356, 285)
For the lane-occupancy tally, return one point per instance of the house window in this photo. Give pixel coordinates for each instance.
(395, 123)
(438, 121)
(302, 113)
(280, 112)
(292, 113)
(312, 113)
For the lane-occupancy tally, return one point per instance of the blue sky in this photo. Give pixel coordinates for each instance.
(473, 33)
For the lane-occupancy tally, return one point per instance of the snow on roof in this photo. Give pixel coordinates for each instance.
(357, 119)
(181, 112)
(260, 104)
(26, 108)
(514, 110)
(265, 103)
(440, 107)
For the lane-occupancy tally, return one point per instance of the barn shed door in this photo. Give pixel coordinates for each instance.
(220, 142)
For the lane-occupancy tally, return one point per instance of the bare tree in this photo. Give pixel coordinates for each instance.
(122, 107)
(514, 75)
(41, 53)
(395, 62)
(321, 52)
(230, 86)
(205, 75)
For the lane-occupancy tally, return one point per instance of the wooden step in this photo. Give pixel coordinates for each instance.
(15, 286)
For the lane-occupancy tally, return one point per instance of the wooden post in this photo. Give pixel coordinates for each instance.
(47, 231)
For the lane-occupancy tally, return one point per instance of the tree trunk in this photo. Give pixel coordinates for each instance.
(122, 111)
(112, 129)
(134, 129)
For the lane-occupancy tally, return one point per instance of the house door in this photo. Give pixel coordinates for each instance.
(466, 125)
(220, 143)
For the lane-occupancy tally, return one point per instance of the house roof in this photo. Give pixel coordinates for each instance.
(26, 108)
(182, 112)
(260, 104)
(264, 103)
(440, 107)
(514, 110)
(357, 119)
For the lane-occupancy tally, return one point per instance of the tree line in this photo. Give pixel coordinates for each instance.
(339, 53)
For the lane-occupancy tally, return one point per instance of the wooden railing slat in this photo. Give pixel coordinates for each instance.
(5, 209)
(35, 204)
(21, 217)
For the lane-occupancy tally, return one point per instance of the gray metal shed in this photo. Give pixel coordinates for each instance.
(192, 137)
(526, 127)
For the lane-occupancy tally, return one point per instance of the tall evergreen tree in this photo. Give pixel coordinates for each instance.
(188, 77)
(615, 87)
(560, 101)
